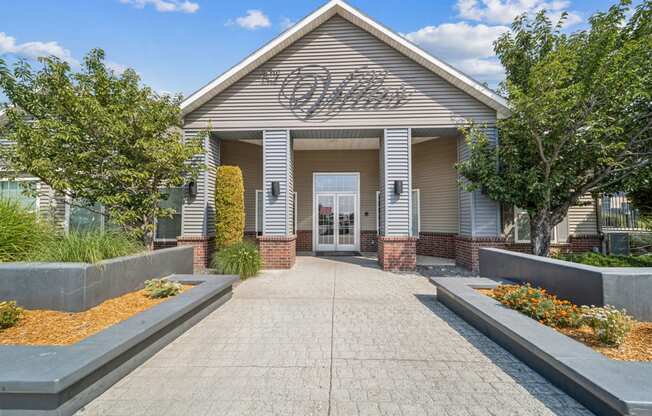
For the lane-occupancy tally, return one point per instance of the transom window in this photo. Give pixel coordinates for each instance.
(336, 183)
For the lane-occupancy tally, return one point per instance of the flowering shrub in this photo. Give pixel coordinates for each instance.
(539, 304)
(609, 324)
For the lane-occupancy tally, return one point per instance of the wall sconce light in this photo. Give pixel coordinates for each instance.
(276, 188)
(398, 187)
(191, 189)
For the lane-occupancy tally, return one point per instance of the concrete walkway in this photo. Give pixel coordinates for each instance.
(333, 337)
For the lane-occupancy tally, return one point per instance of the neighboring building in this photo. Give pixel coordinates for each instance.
(347, 136)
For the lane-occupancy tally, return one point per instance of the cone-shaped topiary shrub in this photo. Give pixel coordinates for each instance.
(229, 206)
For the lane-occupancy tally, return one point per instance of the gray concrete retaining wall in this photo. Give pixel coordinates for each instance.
(623, 287)
(75, 287)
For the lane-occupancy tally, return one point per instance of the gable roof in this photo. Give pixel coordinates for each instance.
(315, 19)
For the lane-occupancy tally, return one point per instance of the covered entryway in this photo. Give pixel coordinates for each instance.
(336, 210)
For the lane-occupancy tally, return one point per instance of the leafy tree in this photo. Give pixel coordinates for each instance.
(581, 115)
(97, 137)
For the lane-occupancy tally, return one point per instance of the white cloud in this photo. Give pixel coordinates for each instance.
(467, 47)
(116, 67)
(287, 23)
(254, 19)
(504, 11)
(33, 50)
(165, 6)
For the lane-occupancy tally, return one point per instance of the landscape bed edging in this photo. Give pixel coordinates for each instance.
(606, 387)
(627, 288)
(76, 287)
(59, 380)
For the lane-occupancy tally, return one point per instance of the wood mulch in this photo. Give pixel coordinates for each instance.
(46, 327)
(637, 345)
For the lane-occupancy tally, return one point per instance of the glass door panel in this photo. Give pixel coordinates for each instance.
(326, 222)
(346, 222)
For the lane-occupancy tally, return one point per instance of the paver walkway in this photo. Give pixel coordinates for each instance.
(332, 337)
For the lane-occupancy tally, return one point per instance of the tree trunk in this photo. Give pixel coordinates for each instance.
(540, 233)
(148, 233)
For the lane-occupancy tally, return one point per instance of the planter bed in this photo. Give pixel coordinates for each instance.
(636, 347)
(45, 327)
(627, 288)
(605, 386)
(59, 380)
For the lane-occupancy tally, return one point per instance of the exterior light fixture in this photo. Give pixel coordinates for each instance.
(398, 187)
(276, 188)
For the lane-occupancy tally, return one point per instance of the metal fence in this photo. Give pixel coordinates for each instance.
(618, 215)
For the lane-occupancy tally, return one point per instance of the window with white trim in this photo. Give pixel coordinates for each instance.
(21, 190)
(522, 227)
(416, 212)
(168, 229)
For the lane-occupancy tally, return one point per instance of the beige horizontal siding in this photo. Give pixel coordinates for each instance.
(250, 159)
(341, 47)
(310, 161)
(582, 219)
(434, 174)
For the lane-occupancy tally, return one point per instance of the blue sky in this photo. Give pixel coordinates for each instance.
(180, 45)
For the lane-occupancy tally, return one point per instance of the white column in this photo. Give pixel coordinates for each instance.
(277, 168)
(396, 168)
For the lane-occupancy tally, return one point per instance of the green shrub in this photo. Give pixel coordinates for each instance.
(9, 314)
(229, 206)
(21, 231)
(539, 304)
(600, 260)
(241, 258)
(161, 288)
(88, 247)
(609, 324)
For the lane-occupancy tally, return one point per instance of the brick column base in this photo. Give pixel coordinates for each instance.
(204, 249)
(397, 253)
(278, 251)
(467, 250)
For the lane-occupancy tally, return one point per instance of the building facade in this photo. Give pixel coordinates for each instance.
(347, 136)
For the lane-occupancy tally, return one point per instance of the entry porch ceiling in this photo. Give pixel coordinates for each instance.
(336, 139)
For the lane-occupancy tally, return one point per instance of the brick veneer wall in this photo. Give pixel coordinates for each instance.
(368, 241)
(164, 244)
(397, 253)
(467, 248)
(204, 247)
(436, 244)
(304, 240)
(278, 251)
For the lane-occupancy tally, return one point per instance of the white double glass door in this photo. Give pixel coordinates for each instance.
(336, 212)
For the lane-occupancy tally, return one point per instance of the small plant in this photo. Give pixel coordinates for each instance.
(241, 258)
(540, 305)
(609, 324)
(9, 314)
(88, 247)
(161, 288)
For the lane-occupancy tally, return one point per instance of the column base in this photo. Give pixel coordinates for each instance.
(278, 251)
(467, 250)
(204, 247)
(397, 253)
